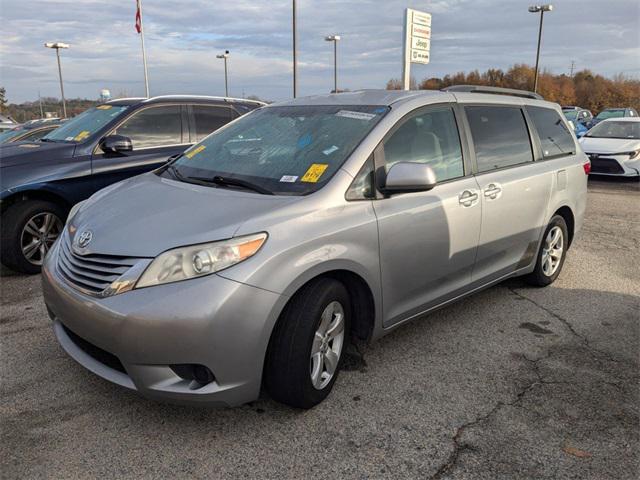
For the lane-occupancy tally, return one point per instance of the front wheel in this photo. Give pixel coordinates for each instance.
(29, 229)
(552, 253)
(307, 345)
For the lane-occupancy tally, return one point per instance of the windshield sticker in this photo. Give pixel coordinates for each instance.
(355, 115)
(195, 151)
(289, 178)
(380, 110)
(330, 150)
(103, 107)
(82, 135)
(314, 173)
(305, 140)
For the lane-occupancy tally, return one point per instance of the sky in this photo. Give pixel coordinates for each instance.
(183, 37)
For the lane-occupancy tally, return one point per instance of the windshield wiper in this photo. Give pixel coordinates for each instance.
(233, 182)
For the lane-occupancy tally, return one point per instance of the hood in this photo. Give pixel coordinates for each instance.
(147, 215)
(13, 154)
(609, 145)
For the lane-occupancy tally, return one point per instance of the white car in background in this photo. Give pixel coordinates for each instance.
(613, 146)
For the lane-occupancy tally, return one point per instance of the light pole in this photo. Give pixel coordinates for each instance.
(541, 9)
(335, 39)
(57, 46)
(225, 55)
(295, 53)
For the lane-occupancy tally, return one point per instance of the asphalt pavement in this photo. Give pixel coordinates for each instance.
(512, 383)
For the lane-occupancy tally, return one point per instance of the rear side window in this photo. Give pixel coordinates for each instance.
(429, 137)
(153, 127)
(555, 138)
(209, 119)
(500, 137)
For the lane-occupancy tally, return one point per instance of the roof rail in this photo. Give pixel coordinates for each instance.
(493, 90)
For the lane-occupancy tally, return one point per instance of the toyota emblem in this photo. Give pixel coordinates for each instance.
(84, 238)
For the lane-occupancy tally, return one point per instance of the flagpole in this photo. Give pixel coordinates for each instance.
(144, 53)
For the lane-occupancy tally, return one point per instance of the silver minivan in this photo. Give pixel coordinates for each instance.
(254, 258)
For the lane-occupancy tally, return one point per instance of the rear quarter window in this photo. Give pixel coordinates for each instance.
(555, 138)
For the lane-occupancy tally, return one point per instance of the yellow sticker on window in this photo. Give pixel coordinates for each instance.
(314, 173)
(103, 107)
(195, 151)
(82, 135)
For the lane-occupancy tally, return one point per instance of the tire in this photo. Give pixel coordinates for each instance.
(545, 273)
(289, 366)
(18, 221)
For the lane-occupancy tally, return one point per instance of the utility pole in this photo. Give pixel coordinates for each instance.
(573, 65)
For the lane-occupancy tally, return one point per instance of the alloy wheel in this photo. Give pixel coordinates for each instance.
(327, 345)
(552, 251)
(38, 235)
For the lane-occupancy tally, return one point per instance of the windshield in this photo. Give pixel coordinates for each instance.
(613, 129)
(284, 150)
(603, 115)
(570, 114)
(82, 126)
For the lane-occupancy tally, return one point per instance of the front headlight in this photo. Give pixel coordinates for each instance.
(634, 154)
(199, 260)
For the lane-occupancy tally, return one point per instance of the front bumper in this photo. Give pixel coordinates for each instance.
(614, 165)
(211, 321)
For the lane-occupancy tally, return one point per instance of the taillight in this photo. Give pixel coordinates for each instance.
(587, 167)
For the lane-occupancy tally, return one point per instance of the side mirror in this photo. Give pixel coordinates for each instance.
(404, 177)
(116, 144)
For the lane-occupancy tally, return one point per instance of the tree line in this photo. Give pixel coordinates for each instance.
(585, 88)
(52, 106)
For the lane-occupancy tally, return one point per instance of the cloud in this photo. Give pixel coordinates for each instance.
(182, 39)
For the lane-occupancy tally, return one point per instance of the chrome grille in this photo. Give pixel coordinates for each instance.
(92, 273)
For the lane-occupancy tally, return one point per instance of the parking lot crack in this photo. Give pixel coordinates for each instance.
(584, 340)
(459, 446)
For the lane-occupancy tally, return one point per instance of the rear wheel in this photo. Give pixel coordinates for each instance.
(552, 253)
(29, 229)
(307, 345)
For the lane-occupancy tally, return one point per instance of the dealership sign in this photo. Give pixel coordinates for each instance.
(417, 41)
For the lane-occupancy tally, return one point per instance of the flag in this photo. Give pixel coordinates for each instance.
(138, 17)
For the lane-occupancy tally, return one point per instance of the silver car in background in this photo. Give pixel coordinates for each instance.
(255, 257)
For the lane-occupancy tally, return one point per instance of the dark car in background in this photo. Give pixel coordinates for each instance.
(29, 132)
(608, 113)
(41, 181)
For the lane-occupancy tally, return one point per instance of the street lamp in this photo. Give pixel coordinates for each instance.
(334, 39)
(224, 56)
(57, 46)
(541, 9)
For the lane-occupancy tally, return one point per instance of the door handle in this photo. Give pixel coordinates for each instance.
(468, 198)
(492, 191)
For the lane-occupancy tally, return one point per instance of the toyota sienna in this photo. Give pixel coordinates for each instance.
(254, 258)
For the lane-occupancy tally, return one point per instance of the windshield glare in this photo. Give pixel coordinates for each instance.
(9, 134)
(290, 150)
(570, 114)
(82, 126)
(614, 129)
(603, 115)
